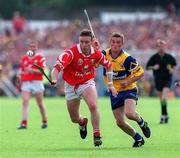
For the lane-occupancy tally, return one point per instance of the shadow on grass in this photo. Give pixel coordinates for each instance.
(86, 149)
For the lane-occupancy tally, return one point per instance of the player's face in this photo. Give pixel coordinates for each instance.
(116, 44)
(161, 47)
(33, 47)
(85, 44)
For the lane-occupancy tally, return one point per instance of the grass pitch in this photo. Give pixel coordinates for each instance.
(61, 138)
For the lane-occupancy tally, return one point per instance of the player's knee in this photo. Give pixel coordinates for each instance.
(120, 123)
(25, 102)
(92, 106)
(41, 106)
(130, 115)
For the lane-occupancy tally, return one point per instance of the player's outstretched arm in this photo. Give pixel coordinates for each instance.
(110, 85)
(54, 75)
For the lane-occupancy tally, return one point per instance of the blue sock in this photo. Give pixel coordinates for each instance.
(137, 137)
(141, 123)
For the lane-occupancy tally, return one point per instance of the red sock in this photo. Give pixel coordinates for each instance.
(83, 121)
(24, 122)
(96, 132)
(44, 121)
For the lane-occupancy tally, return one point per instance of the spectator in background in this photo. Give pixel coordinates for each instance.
(162, 64)
(171, 9)
(31, 82)
(18, 22)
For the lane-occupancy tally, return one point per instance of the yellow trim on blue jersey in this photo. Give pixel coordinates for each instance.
(124, 67)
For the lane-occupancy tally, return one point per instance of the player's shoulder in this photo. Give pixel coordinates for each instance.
(126, 56)
(155, 55)
(24, 57)
(106, 51)
(39, 56)
(128, 59)
(74, 46)
(73, 49)
(169, 55)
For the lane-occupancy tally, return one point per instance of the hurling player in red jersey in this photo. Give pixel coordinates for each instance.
(31, 83)
(78, 64)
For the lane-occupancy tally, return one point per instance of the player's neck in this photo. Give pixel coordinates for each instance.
(115, 54)
(86, 53)
(161, 52)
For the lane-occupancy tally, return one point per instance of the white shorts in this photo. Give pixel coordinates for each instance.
(34, 86)
(73, 93)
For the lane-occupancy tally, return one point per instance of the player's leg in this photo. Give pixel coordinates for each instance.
(73, 103)
(90, 97)
(74, 113)
(162, 91)
(163, 99)
(40, 102)
(132, 114)
(73, 109)
(126, 127)
(25, 103)
(120, 121)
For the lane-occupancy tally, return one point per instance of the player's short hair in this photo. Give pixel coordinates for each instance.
(86, 32)
(117, 34)
(160, 41)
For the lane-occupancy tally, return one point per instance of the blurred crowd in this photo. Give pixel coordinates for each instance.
(139, 36)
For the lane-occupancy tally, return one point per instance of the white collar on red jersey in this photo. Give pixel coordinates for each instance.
(80, 51)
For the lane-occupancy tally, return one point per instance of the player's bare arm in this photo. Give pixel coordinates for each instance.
(63, 60)
(137, 74)
(32, 71)
(154, 67)
(109, 72)
(54, 75)
(110, 85)
(170, 68)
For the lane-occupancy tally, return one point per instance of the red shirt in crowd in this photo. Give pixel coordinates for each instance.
(79, 68)
(27, 62)
(18, 23)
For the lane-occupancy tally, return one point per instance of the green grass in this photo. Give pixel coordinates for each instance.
(61, 139)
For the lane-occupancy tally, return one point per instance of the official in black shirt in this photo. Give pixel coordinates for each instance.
(162, 65)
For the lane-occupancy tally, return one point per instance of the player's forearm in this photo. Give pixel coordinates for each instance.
(150, 67)
(31, 71)
(109, 74)
(135, 78)
(54, 74)
(36, 71)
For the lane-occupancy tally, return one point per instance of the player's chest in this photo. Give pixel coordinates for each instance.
(162, 61)
(84, 62)
(117, 64)
(29, 62)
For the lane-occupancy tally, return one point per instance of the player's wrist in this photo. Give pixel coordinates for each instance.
(54, 80)
(110, 84)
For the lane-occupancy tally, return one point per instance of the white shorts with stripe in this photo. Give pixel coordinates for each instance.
(72, 92)
(34, 86)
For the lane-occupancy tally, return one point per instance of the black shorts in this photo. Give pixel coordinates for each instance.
(118, 101)
(160, 84)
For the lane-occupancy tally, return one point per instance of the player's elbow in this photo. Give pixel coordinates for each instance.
(142, 74)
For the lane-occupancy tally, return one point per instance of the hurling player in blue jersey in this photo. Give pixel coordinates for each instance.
(126, 71)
